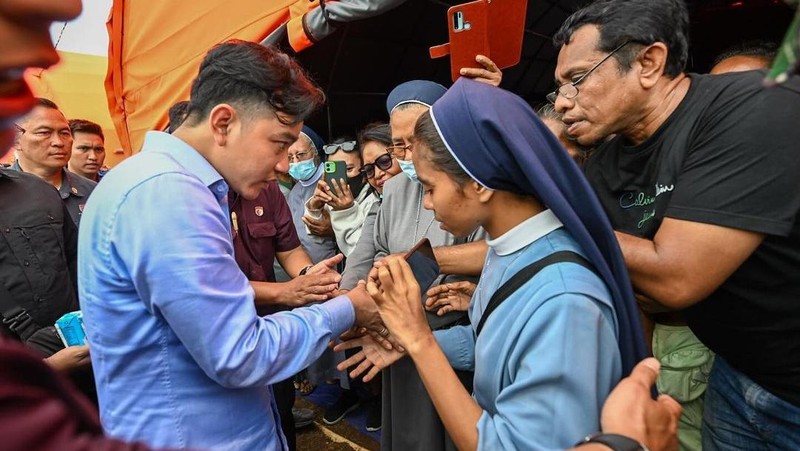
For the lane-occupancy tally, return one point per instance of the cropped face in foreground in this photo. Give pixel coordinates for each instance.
(25, 42)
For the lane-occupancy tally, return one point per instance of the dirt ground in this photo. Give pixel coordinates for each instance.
(339, 437)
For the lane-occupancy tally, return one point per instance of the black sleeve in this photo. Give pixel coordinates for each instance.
(71, 251)
(742, 167)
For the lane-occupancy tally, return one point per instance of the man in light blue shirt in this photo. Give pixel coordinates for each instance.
(182, 360)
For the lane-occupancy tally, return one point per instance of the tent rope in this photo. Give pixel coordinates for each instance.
(60, 34)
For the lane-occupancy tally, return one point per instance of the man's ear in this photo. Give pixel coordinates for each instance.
(220, 120)
(483, 193)
(653, 61)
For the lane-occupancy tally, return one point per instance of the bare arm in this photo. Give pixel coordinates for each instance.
(397, 295)
(465, 259)
(686, 261)
(458, 410)
(293, 261)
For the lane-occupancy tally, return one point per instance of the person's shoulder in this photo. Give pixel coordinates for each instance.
(744, 90)
(83, 184)
(29, 182)
(397, 184)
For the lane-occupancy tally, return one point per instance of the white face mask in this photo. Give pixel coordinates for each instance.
(407, 166)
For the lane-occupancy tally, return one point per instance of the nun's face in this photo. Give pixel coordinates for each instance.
(402, 122)
(458, 208)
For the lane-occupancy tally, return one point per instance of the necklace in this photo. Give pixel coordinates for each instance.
(416, 222)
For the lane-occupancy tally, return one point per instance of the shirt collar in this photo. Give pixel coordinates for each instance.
(8, 173)
(525, 233)
(67, 187)
(314, 178)
(186, 155)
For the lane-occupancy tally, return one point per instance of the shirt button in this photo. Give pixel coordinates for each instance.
(27, 263)
(8, 230)
(51, 217)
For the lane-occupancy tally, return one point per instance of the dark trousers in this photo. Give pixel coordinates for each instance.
(284, 399)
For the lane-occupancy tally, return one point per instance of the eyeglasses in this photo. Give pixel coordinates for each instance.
(570, 90)
(383, 162)
(347, 146)
(399, 150)
(299, 156)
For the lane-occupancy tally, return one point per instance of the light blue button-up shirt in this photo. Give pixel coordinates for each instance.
(547, 357)
(180, 357)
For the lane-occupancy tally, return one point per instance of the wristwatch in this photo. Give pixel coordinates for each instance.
(614, 441)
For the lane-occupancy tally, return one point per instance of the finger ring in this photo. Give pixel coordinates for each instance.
(383, 332)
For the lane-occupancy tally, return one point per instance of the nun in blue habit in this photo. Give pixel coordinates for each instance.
(548, 356)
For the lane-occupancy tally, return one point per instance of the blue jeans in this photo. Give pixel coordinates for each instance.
(741, 415)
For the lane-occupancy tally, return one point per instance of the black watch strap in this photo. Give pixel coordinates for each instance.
(305, 270)
(614, 441)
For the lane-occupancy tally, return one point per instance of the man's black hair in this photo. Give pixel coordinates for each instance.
(762, 49)
(255, 77)
(641, 22)
(177, 114)
(84, 126)
(46, 103)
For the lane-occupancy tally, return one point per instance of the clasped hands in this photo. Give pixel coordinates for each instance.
(395, 295)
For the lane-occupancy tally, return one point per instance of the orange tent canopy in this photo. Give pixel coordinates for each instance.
(156, 47)
(76, 86)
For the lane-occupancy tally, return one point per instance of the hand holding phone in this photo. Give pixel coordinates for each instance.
(334, 170)
(423, 264)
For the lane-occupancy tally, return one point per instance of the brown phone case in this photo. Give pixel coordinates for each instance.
(493, 28)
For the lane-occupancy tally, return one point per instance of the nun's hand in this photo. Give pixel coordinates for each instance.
(397, 294)
(449, 297)
(490, 74)
(341, 198)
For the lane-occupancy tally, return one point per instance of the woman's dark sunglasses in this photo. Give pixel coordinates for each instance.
(383, 163)
(347, 146)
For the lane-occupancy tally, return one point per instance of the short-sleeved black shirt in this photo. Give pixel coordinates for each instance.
(729, 155)
(38, 247)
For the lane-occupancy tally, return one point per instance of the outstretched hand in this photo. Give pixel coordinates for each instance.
(327, 266)
(371, 359)
(310, 288)
(631, 411)
(449, 297)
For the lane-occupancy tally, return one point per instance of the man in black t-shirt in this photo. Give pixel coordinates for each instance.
(700, 182)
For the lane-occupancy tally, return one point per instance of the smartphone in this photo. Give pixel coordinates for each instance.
(334, 170)
(423, 264)
(468, 31)
(70, 329)
(469, 35)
